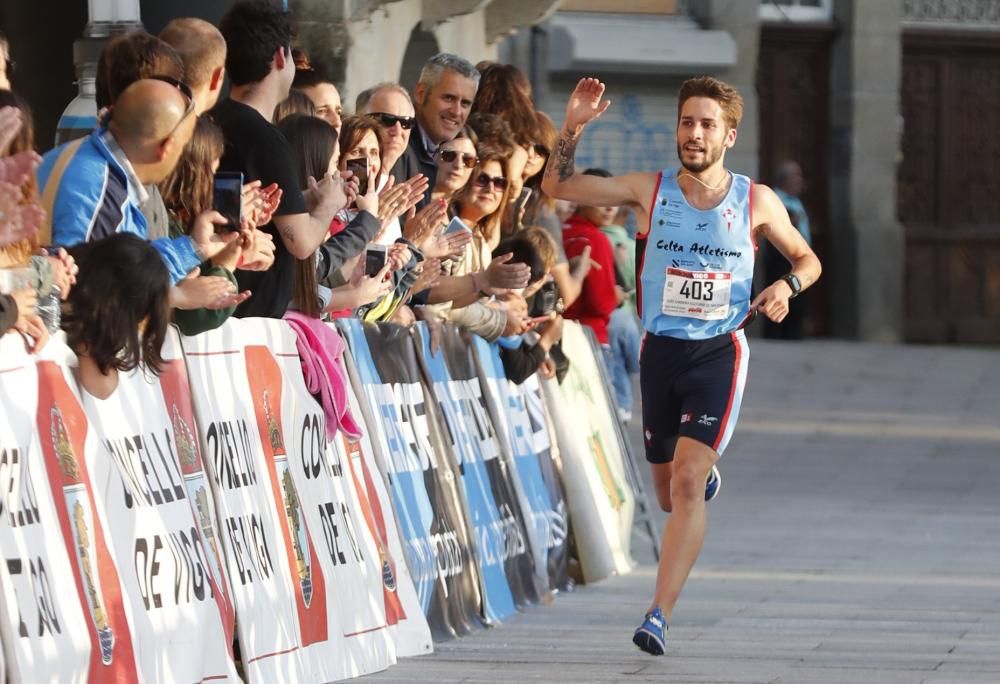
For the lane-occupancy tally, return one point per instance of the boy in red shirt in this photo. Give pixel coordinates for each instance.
(599, 296)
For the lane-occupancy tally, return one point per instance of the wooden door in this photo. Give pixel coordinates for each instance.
(793, 86)
(949, 186)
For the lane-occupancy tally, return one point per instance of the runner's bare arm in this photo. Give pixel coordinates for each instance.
(561, 180)
(772, 222)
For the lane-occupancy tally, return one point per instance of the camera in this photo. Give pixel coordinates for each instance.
(227, 198)
(545, 301)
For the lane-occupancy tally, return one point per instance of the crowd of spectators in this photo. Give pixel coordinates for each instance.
(418, 206)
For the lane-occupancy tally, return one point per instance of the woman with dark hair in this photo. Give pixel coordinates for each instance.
(314, 145)
(207, 299)
(503, 93)
(116, 317)
(482, 202)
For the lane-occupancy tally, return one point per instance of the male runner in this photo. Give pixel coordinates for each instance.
(694, 264)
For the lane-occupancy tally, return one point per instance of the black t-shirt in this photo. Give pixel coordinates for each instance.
(258, 149)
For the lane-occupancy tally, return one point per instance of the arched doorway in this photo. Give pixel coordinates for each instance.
(422, 46)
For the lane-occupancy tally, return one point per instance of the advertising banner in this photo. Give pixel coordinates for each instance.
(599, 498)
(63, 615)
(243, 435)
(501, 542)
(324, 515)
(176, 599)
(424, 491)
(404, 615)
(539, 487)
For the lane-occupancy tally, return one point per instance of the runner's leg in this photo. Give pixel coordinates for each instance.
(685, 530)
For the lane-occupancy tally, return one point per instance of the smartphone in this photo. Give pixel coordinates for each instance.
(227, 198)
(359, 168)
(374, 260)
(456, 225)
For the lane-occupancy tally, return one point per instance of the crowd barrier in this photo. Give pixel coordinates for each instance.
(199, 526)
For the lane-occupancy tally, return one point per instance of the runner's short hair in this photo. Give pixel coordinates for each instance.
(705, 86)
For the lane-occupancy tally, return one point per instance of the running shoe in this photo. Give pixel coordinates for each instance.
(713, 484)
(650, 635)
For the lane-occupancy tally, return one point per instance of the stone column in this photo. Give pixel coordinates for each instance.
(868, 245)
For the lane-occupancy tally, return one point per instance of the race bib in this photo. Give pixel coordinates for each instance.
(697, 294)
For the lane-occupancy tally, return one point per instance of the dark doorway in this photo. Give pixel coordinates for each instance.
(421, 47)
(793, 90)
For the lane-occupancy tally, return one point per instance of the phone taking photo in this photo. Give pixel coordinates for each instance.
(359, 169)
(227, 198)
(456, 225)
(374, 260)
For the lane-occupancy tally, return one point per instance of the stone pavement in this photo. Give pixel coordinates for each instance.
(856, 540)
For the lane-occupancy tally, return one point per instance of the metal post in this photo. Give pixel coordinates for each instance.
(106, 18)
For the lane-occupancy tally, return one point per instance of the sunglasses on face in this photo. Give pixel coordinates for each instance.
(449, 156)
(390, 120)
(185, 90)
(484, 181)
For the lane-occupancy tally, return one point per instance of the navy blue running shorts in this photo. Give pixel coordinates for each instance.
(691, 388)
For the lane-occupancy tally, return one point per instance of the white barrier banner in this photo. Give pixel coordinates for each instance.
(63, 619)
(271, 579)
(176, 598)
(600, 501)
(293, 529)
(407, 622)
(348, 557)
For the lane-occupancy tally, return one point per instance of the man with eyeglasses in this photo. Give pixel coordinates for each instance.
(125, 59)
(92, 187)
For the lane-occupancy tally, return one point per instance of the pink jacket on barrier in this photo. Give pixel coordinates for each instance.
(320, 350)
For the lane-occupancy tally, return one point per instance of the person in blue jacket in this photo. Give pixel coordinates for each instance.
(92, 188)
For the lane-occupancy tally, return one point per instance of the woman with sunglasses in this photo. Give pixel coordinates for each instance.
(481, 206)
(456, 159)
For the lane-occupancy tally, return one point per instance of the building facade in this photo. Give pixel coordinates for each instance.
(891, 107)
(864, 95)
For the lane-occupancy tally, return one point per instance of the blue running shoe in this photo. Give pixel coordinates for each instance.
(650, 635)
(713, 484)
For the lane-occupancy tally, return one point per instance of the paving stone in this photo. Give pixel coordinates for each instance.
(854, 541)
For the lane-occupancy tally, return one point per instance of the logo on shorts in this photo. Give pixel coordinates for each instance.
(686, 418)
(707, 420)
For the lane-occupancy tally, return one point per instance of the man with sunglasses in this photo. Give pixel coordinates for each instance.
(92, 187)
(390, 104)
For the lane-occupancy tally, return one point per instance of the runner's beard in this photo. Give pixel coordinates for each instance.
(711, 156)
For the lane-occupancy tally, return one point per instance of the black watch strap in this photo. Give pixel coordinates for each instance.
(793, 283)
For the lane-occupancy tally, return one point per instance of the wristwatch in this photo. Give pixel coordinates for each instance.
(793, 282)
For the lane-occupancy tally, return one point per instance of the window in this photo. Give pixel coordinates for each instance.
(796, 10)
